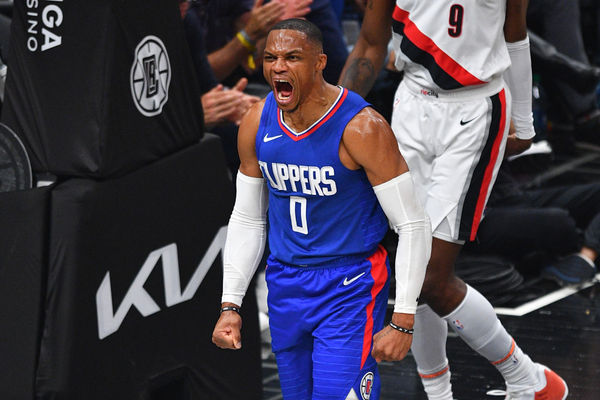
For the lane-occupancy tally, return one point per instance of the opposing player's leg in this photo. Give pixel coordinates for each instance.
(429, 342)
(456, 189)
(429, 352)
(343, 366)
(475, 321)
(472, 316)
(453, 166)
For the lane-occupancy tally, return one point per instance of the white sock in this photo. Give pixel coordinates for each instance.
(475, 321)
(518, 370)
(429, 350)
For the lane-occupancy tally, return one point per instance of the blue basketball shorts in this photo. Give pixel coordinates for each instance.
(322, 322)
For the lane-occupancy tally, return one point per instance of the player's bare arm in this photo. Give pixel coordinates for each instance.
(245, 242)
(369, 143)
(515, 24)
(366, 59)
(246, 141)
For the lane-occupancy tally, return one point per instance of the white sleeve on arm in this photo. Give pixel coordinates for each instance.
(246, 237)
(409, 220)
(519, 81)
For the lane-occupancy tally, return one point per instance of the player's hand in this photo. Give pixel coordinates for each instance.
(390, 344)
(514, 145)
(247, 101)
(228, 331)
(295, 8)
(219, 105)
(263, 17)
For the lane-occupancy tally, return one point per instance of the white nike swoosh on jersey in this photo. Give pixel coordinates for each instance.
(349, 281)
(268, 139)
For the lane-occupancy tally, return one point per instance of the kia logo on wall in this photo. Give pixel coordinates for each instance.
(110, 319)
(150, 76)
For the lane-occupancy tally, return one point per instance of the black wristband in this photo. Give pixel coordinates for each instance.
(401, 329)
(230, 308)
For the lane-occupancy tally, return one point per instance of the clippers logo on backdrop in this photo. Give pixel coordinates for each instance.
(150, 76)
(43, 18)
(366, 386)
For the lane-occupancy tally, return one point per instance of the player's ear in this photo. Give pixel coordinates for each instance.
(321, 61)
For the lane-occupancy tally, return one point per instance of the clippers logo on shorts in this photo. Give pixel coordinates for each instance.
(150, 76)
(366, 386)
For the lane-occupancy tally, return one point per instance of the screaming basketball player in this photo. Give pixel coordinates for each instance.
(327, 169)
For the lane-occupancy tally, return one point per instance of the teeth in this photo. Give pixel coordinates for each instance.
(280, 95)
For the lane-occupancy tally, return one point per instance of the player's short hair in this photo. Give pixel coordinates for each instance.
(312, 32)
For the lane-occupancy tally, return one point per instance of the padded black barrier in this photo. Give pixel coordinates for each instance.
(126, 318)
(23, 261)
(97, 88)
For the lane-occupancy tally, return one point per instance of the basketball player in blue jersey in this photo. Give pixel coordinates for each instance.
(467, 72)
(327, 168)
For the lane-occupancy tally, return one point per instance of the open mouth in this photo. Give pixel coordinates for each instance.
(283, 90)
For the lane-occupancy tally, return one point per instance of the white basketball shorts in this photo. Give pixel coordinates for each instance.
(453, 145)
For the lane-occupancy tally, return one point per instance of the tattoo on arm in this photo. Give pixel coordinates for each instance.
(370, 4)
(359, 76)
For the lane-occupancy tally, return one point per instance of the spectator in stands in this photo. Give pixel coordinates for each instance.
(575, 268)
(232, 57)
(590, 27)
(558, 22)
(223, 109)
(219, 105)
(229, 36)
(323, 14)
(554, 221)
(233, 31)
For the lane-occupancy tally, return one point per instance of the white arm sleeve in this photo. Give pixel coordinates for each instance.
(409, 220)
(519, 81)
(246, 237)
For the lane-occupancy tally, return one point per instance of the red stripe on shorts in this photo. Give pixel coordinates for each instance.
(380, 275)
(489, 170)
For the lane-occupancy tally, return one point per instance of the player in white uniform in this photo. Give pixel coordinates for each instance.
(467, 74)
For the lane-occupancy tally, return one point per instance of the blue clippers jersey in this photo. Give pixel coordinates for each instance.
(319, 210)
